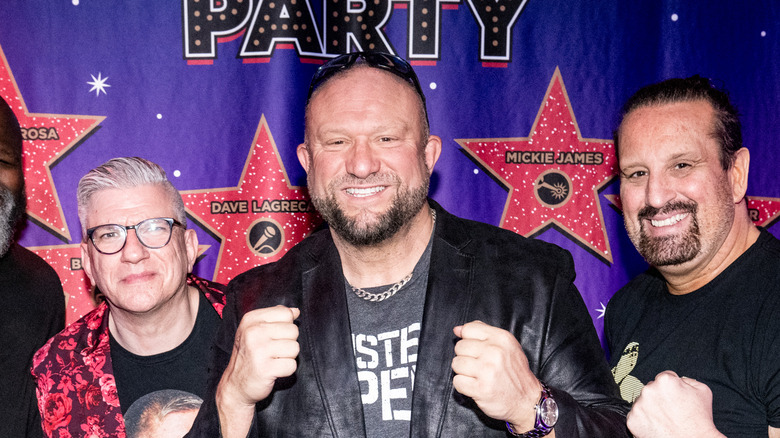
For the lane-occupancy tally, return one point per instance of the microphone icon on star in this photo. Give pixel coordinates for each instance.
(268, 233)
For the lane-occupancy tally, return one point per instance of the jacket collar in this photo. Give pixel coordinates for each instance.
(446, 305)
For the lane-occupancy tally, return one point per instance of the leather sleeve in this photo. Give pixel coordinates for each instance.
(206, 424)
(574, 366)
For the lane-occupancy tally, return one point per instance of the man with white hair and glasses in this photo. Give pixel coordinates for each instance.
(156, 326)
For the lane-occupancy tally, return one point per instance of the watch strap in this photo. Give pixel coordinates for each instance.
(540, 429)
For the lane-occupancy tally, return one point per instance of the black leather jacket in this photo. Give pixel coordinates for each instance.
(477, 271)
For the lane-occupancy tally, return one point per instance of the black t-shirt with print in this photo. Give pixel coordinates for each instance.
(184, 368)
(726, 335)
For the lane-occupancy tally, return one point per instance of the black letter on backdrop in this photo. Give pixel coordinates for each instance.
(203, 23)
(356, 24)
(495, 19)
(425, 28)
(278, 21)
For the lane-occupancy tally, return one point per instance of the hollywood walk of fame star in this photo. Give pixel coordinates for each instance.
(258, 220)
(763, 211)
(49, 138)
(554, 176)
(66, 260)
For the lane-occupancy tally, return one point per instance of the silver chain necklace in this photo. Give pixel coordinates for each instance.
(375, 298)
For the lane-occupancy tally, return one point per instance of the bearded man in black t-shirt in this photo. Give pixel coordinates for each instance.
(33, 307)
(695, 341)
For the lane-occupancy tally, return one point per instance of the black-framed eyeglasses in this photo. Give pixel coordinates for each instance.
(153, 233)
(384, 61)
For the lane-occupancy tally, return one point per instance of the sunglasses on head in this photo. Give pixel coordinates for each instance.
(383, 61)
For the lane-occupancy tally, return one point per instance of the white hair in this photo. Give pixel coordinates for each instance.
(125, 173)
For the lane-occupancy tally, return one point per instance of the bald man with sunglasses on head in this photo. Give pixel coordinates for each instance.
(400, 319)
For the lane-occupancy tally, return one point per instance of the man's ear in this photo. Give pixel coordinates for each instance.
(738, 174)
(191, 245)
(86, 262)
(432, 151)
(303, 156)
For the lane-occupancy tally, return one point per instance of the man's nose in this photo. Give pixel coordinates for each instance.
(362, 160)
(659, 191)
(134, 251)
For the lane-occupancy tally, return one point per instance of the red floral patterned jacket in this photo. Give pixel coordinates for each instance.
(76, 389)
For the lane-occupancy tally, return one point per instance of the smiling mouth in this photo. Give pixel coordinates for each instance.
(363, 192)
(670, 221)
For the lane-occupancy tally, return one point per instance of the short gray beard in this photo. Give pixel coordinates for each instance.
(406, 204)
(11, 210)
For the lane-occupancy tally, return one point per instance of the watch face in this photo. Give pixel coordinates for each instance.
(549, 412)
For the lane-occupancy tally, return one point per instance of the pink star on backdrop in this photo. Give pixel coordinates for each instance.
(263, 195)
(764, 211)
(66, 260)
(554, 175)
(49, 137)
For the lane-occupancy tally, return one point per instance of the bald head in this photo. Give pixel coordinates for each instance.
(10, 133)
(359, 68)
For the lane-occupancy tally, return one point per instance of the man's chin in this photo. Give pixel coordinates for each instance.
(669, 250)
(668, 262)
(364, 236)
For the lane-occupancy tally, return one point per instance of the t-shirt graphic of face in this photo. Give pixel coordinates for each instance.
(168, 413)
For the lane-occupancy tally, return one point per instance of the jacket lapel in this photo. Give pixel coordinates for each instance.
(447, 304)
(327, 337)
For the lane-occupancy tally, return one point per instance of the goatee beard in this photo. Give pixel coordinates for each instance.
(669, 250)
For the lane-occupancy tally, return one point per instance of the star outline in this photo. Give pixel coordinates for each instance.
(605, 256)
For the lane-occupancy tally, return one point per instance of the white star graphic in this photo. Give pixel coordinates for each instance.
(98, 84)
(601, 311)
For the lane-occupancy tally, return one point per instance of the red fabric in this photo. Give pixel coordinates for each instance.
(76, 389)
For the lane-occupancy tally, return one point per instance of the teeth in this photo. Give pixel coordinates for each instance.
(364, 192)
(671, 221)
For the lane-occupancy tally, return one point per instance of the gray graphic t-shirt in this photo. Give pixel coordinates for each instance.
(385, 337)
